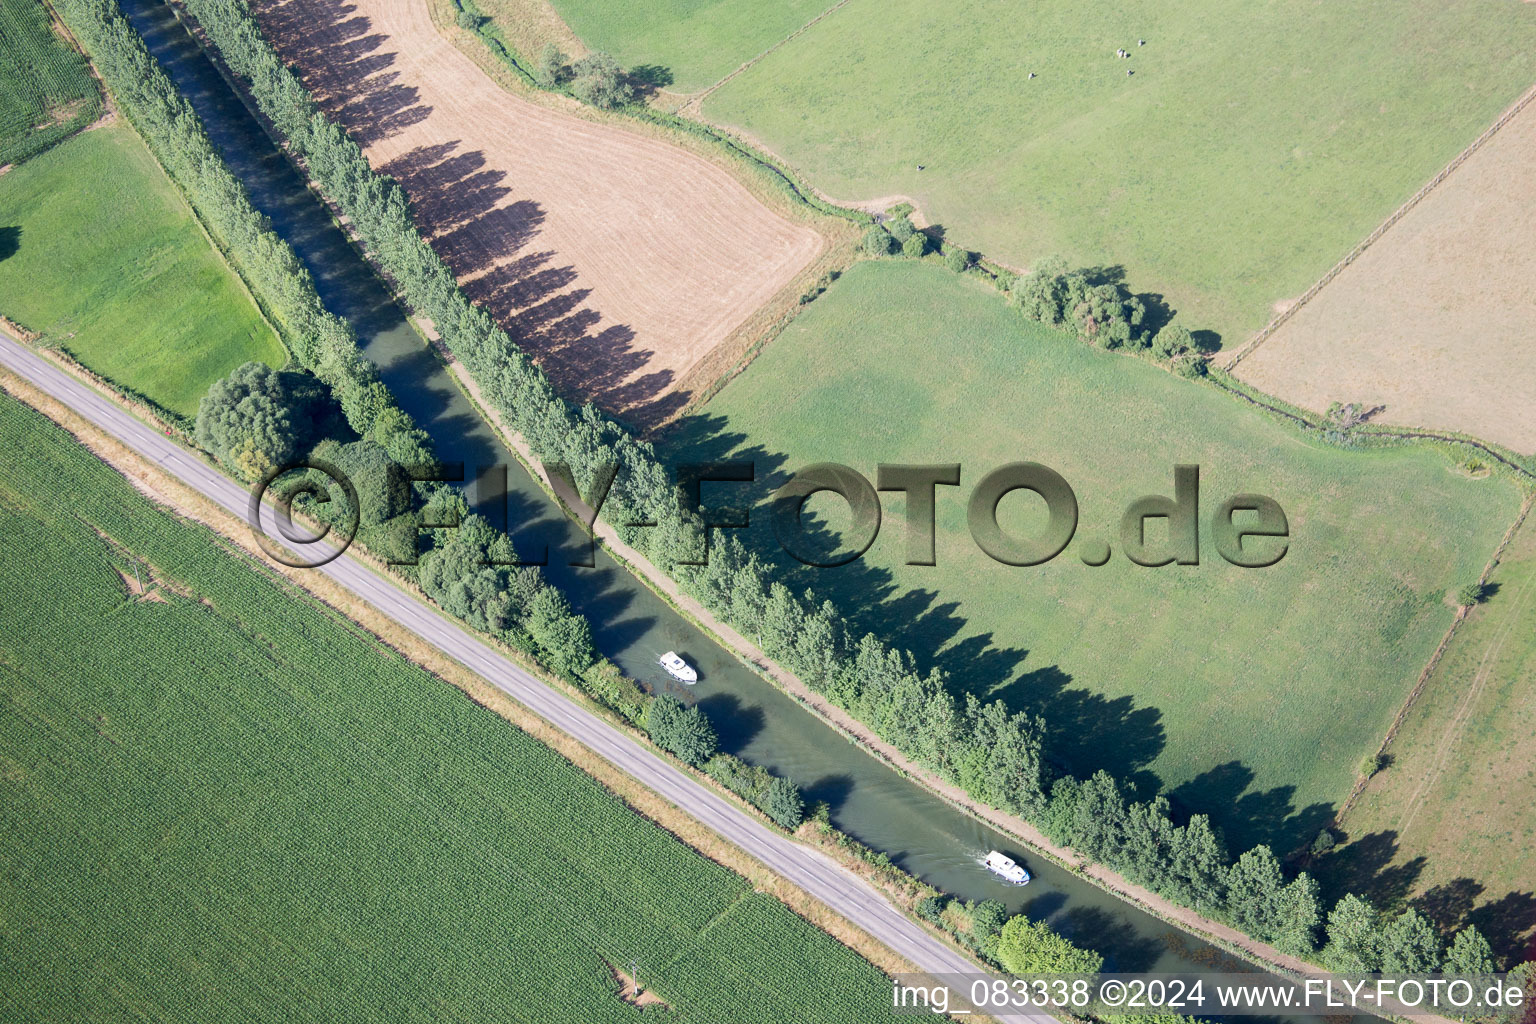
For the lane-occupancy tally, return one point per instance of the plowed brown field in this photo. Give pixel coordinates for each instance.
(1434, 320)
(617, 260)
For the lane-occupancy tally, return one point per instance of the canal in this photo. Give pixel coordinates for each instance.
(917, 830)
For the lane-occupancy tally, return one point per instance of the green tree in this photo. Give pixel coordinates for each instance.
(1254, 884)
(1410, 945)
(1470, 954)
(564, 637)
(1298, 912)
(901, 228)
(1471, 594)
(1030, 947)
(383, 491)
(252, 421)
(1041, 294)
(467, 20)
(1354, 937)
(987, 920)
(1197, 871)
(1191, 365)
(1523, 977)
(878, 241)
(1106, 314)
(1099, 817)
(915, 245)
(1173, 341)
(782, 802)
(551, 69)
(459, 573)
(597, 79)
(931, 909)
(1323, 843)
(958, 260)
(681, 729)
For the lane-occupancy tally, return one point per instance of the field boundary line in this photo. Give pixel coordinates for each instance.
(1268, 403)
(1458, 724)
(691, 107)
(1307, 296)
(1434, 659)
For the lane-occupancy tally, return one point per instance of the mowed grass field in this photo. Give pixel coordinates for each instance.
(1251, 693)
(1252, 147)
(697, 41)
(224, 802)
(1449, 821)
(120, 274)
(46, 90)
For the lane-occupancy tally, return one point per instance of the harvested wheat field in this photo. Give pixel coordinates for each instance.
(1434, 321)
(617, 260)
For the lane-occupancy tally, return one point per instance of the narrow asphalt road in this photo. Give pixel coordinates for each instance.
(806, 868)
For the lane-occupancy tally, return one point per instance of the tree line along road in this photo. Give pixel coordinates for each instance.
(817, 875)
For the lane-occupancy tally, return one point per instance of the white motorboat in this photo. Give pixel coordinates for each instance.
(1006, 868)
(679, 669)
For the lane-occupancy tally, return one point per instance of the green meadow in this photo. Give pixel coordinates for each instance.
(1248, 693)
(1251, 148)
(120, 274)
(224, 802)
(698, 41)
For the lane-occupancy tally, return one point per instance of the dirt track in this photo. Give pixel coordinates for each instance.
(1433, 320)
(617, 260)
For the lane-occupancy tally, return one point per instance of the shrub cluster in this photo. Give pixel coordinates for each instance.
(682, 729)
(779, 798)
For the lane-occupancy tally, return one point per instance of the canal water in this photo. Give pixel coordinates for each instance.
(918, 831)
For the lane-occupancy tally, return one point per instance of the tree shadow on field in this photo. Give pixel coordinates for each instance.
(1367, 867)
(1085, 731)
(1448, 904)
(647, 78)
(10, 241)
(1251, 816)
(339, 61)
(484, 232)
(1208, 342)
(1509, 925)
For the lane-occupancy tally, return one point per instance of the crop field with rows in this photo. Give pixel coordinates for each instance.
(219, 800)
(46, 91)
